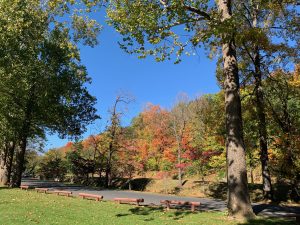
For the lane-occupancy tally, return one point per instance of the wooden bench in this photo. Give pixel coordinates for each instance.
(170, 203)
(293, 215)
(25, 187)
(43, 190)
(65, 193)
(137, 201)
(91, 196)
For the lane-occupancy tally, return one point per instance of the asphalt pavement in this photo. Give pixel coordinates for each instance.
(207, 204)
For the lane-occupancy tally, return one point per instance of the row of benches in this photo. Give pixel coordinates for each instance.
(137, 201)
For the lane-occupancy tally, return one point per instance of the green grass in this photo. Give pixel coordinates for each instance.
(29, 207)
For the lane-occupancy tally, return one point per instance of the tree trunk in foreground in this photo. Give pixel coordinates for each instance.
(238, 195)
(20, 159)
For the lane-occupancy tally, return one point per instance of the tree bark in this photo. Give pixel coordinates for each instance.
(251, 175)
(24, 134)
(107, 175)
(3, 173)
(3, 166)
(179, 166)
(10, 158)
(20, 159)
(262, 129)
(238, 195)
(6, 163)
(108, 178)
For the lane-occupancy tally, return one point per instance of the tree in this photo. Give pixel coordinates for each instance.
(147, 24)
(52, 166)
(208, 133)
(180, 117)
(113, 133)
(79, 165)
(93, 147)
(155, 138)
(262, 23)
(42, 77)
(283, 104)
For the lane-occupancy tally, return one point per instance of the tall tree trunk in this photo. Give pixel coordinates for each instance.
(10, 158)
(23, 137)
(179, 166)
(20, 154)
(3, 166)
(251, 175)
(20, 159)
(179, 177)
(108, 178)
(262, 128)
(6, 163)
(238, 195)
(3, 173)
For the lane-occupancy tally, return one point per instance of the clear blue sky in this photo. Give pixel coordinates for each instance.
(113, 70)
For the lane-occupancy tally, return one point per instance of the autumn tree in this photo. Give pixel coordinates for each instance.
(284, 107)
(180, 116)
(113, 133)
(157, 134)
(94, 149)
(208, 132)
(263, 23)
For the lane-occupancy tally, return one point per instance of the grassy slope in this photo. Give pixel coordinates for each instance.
(29, 207)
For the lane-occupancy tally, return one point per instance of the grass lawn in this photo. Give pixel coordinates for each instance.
(29, 207)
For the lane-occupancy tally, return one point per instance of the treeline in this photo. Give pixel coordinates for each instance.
(43, 83)
(188, 139)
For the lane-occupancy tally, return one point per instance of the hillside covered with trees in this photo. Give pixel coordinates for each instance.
(185, 141)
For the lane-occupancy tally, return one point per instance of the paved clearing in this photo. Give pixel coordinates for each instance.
(154, 199)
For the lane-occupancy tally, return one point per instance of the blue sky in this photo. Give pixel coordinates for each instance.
(112, 70)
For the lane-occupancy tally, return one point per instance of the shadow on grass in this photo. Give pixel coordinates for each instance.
(266, 221)
(5, 188)
(148, 211)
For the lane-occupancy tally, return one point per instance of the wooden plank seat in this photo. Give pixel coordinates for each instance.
(293, 215)
(65, 193)
(43, 190)
(90, 196)
(137, 201)
(170, 203)
(25, 187)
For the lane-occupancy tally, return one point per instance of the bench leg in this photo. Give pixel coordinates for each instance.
(297, 219)
(193, 208)
(168, 206)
